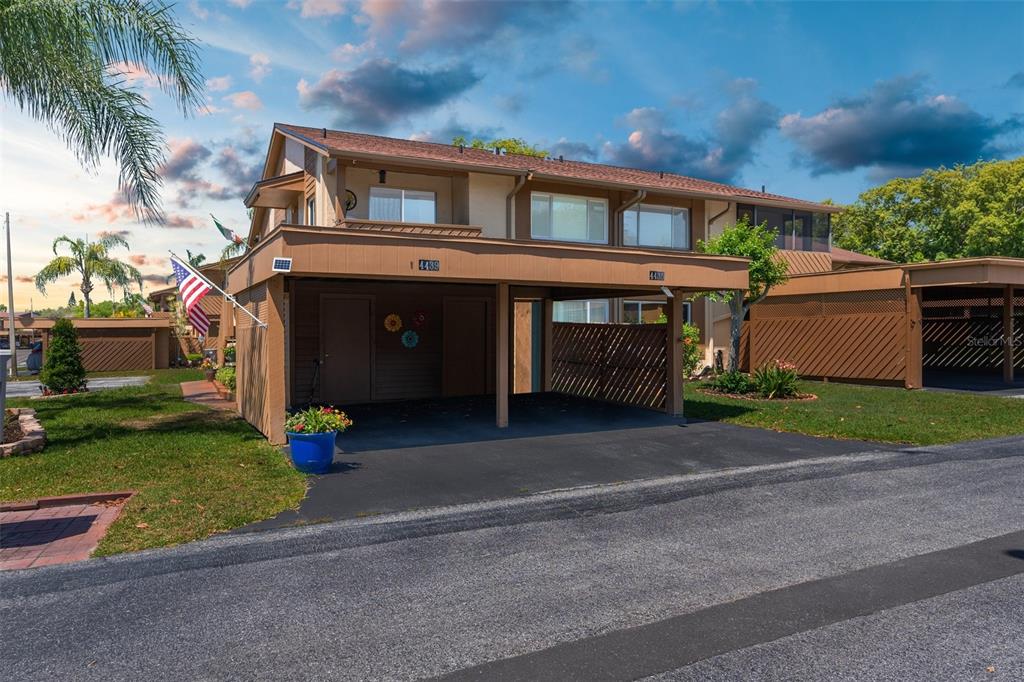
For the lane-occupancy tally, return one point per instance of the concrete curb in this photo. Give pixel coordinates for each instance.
(67, 500)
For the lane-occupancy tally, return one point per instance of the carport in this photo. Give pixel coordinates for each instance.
(359, 314)
(950, 322)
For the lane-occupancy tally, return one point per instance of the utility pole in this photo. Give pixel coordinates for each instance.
(10, 300)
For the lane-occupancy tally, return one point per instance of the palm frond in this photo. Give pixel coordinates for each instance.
(55, 61)
(61, 266)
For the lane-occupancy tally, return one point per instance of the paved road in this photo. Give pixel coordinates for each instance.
(881, 565)
(24, 389)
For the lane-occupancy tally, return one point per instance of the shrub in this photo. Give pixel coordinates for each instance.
(63, 371)
(776, 379)
(194, 359)
(226, 376)
(692, 355)
(732, 382)
(317, 420)
(229, 354)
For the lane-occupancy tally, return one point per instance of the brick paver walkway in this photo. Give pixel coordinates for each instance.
(53, 535)
(205, 393)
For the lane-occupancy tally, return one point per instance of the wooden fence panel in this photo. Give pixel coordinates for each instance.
(621, 363)
(854, 335)
(105, 350)
(966, 332)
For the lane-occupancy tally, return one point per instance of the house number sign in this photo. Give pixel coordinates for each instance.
(430, 265)
(657, 276)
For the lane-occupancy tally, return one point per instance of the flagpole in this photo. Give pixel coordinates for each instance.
(185, 264)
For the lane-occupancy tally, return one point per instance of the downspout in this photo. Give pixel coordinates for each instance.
(728, 206)
(636, 199)
(520, 181)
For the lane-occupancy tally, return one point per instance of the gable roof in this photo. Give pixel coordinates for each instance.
(360, 145)
(847, 257)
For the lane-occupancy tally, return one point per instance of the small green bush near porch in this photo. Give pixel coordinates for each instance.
(197, 471)
(849, 411)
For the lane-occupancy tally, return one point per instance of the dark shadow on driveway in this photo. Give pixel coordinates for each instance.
(404, 456)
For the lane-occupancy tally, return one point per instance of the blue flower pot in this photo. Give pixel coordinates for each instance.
(312, 453)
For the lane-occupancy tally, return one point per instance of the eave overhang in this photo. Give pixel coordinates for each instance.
(356, 254)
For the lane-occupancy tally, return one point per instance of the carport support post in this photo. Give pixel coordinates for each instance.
(674, 357)
(1008, 334)
(549, 342)
(502, 353)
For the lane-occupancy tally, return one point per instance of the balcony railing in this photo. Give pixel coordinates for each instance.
(432, 229)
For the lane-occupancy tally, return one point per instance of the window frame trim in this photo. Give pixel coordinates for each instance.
(689, 228)
(401, 202)
(552, 195)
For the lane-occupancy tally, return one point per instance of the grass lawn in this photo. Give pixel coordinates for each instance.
(197, 471)
(891, 415)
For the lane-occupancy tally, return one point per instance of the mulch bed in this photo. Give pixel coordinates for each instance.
(12, 429)
(754, 398)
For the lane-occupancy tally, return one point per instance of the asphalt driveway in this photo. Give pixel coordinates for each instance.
(431, 453)
(27, 389)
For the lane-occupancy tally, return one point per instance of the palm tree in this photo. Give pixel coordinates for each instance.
(89, 259)
(195, 260)
(68, 64)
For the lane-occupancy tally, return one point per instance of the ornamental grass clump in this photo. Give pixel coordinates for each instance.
(776, 379)
(318, 420)
(63, 371)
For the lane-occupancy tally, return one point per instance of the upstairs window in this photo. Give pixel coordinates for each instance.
(389, 204)
(663, 227)
(569, 219)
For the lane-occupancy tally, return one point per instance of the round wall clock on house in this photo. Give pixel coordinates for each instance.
(350, 200)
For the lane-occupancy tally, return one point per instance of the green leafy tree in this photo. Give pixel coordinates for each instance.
(958, 212)
(70, 64)
(63, 371)
(766, 270)
(511, 145)
(91, 260)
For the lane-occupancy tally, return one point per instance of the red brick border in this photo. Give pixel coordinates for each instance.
(65, 500)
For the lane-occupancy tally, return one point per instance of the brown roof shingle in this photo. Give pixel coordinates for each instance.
(342, 142)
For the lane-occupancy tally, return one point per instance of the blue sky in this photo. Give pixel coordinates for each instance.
(813, 100)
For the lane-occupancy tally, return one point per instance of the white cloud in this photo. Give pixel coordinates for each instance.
(259, 66)
(350, 51)
(318, 8)
(218, 84)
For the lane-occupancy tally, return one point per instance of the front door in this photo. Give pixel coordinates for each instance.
(346, 349)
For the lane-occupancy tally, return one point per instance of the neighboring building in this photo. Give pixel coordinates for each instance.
(946, 323)
(212, 304)
(389, 269)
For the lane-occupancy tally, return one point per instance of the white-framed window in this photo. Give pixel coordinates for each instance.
(402, 205)
(663, 227)
(567, 218)
(648, 312)
(593, 310)
(311, 211)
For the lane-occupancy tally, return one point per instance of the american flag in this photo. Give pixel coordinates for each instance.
(191, 289)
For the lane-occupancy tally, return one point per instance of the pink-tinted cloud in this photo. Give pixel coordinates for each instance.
(246, 99)
(111, 211)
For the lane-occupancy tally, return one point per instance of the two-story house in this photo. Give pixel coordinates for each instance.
(388, 269)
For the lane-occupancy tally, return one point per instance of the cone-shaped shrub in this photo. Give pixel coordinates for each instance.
(63, 371)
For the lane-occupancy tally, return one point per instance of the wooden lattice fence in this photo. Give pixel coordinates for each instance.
(622, 363)
(966, 333)
(855, 335)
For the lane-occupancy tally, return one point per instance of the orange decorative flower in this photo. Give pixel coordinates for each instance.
(393, 322)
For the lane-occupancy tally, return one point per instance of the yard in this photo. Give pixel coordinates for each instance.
(196, 471)
(892, 415)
